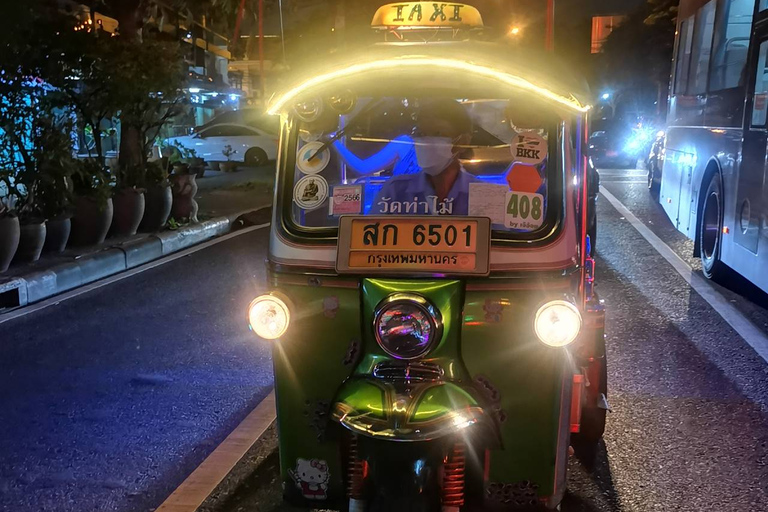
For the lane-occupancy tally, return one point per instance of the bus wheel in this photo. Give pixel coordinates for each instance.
(710, 230)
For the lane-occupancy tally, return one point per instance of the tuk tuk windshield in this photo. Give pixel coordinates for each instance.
(417, 156)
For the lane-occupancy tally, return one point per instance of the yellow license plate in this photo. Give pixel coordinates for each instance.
(414, 245)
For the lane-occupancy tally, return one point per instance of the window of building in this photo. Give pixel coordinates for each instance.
(702, 48)
(602, 26)
(729, 56)
(685, 42)
(760, 102)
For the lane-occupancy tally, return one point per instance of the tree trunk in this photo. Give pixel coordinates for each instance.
(129, 15)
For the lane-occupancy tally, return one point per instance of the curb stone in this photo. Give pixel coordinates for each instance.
(42, 284)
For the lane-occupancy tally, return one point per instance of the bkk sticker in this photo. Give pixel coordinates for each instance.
(311, 478)
(529, 148)
(309, 161)
(310, 192)
(347, 199)
(524, 211)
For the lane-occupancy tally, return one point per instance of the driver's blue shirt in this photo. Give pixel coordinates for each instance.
(413, 194)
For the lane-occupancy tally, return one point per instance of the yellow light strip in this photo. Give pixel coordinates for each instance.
(420, 62)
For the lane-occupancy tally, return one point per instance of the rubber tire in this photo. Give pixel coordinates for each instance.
(255, 157)
(711, 266)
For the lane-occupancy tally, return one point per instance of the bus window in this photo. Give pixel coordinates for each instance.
(702, 47)
(763, 5)
(684, 55)
(731, 44)
(760, 103)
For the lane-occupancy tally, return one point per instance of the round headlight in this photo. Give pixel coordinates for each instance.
(309, 109)
(406, 325)
(557, 323)
(268, 317)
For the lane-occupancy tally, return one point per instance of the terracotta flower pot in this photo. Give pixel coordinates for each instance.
(31, 242)
(9, 240)
(184, 189)
(57, 234)
(129, 210)
(90, 223)
(159, 200)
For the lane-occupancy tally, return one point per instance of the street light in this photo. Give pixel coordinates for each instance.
(514, 31)
(606, 95)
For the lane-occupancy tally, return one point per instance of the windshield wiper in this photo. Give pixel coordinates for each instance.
(339, 134)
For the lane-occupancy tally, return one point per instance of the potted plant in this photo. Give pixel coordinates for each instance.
(184, 187)
(93, 210)
(189, 156)
(128, 200)
(31, 223)
(229, 165)
(159, 197)
(9, 222)
(55, 166)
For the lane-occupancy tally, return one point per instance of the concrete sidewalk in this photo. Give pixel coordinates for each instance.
(227, 201)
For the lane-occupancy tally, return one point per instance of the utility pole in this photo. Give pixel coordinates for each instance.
(549, 42)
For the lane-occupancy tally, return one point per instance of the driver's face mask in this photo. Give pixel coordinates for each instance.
(434, 154)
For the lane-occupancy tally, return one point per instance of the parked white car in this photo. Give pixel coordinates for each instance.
(250, 145)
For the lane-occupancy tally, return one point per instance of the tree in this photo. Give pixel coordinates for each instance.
(636, 57)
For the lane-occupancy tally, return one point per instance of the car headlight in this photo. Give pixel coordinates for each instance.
(406, 325)
(557, 323)
(268, 317)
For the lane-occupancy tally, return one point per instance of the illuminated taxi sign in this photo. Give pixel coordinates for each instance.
(426, 14)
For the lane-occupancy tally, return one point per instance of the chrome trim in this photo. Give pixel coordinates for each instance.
(422, 303)
(417, 371)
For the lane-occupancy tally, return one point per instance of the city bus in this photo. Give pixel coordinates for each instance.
(713, 185)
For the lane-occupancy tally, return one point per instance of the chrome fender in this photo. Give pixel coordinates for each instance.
(407, 411)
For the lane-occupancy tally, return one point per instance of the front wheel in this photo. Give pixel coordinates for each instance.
(710, 230)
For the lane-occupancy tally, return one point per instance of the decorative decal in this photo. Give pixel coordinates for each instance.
(347, 199)
(311, 478)
(310, 192)
(488, 200)
(529, 148)
(493, 311)
(309, 161)
(353, 351)
(309, 136)
(524, 178)
(330, 307)
(524, 211)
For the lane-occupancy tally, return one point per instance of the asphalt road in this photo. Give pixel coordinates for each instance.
(110, 399)
(689, 427)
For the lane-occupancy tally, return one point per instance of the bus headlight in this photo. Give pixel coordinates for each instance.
(557, 323)
(268, 317)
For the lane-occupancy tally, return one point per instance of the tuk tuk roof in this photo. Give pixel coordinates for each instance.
(468, 63)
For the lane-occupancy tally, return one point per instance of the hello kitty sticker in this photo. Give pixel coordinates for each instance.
(311, 478)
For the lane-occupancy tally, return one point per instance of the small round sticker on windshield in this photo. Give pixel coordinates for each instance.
(528, 148)
(309, 136)
(310, 192)
(312, 157)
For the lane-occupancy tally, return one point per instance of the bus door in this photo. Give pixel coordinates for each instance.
(750, 190)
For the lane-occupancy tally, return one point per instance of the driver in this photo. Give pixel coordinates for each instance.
(442, 128)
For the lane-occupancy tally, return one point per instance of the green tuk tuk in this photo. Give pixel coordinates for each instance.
(437, 341)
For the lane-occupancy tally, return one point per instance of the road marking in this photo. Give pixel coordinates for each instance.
(751, 334)
(32, 308)
(200, 484)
